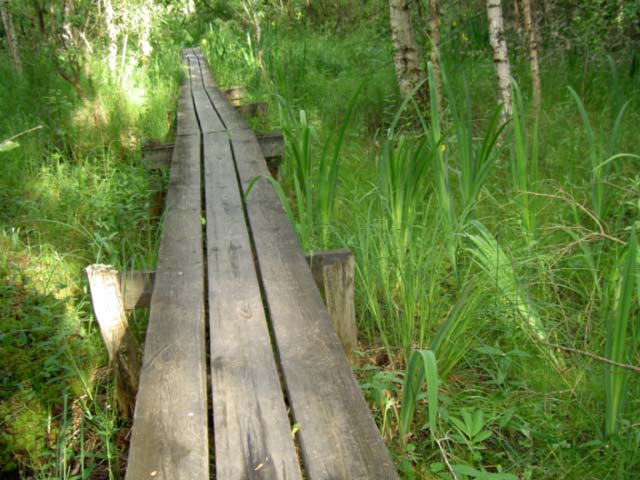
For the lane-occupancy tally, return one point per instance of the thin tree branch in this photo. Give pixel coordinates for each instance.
(626, 366)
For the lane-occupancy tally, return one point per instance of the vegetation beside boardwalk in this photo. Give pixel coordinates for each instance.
(505, 254)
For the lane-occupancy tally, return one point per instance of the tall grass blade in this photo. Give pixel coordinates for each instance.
(452, 339)
(618, 346)
(524, 163)
(498, 266)
(422, 366)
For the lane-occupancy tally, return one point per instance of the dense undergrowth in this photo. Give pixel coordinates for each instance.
(72, 192)
(507, 251)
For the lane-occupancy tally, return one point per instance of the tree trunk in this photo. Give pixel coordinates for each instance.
(409, 71)
(12, 42)
(532, 33)
(500, 56)
(112, 35)
(434, 34)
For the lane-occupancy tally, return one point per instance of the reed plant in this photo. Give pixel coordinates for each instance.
(498, 266)
(315, 175)
(623, 333)
(475, 157)
(422, 367)
(599, 158)
(403, 167)
(524, 163)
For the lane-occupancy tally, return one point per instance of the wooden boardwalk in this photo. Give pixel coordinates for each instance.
(238, 328)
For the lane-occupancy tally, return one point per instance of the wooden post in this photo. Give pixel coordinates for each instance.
(235, 94)
(257, 110)
(137, 287)
(123, 348)
(333, 271)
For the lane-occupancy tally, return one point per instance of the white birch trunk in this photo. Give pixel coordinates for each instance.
(406, 54)
(112, 35)
(532, 34)
(500, 55)
(434, 34)
(12, 42)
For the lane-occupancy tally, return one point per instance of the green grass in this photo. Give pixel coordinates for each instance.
(484, 251)
(74, 192)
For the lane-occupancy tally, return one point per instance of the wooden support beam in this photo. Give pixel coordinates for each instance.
(271, 145)
(123, 348)
(157, 155)
(257, 110)
(333, 271)
(235, 94)
(272, 148)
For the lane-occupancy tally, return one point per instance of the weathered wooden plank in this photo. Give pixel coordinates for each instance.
(207, 115)
(170, 438)
(338, 437)
(231, 118)
(251, 425)
(187, 123)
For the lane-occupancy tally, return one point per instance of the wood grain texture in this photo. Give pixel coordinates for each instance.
(123, 348)
(170, 438)
(334, 273)
(207, 116)
(251, 425)
(137, 288)
(230, 116)
(338, 437)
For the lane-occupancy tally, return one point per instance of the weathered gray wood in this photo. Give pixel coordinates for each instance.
(271, 145)
(170, 438)
(334, 273)
(187, 123)
(158, 157)
(207, 116)
(123, 348)
(136, 288)
(251, 425)
(257, 110)
(235, 94)
(230, 117)
(338, 437)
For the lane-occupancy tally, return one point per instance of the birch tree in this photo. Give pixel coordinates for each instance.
(434, 34)
(112, 35)
(10, 34)
(532, 35)
(409, 71)
(500, 55)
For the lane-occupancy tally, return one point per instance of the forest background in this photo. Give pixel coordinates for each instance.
(493, 223)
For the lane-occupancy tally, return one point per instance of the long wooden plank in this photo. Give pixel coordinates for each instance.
(170, 439)
(230, 116)
(338, 437)
(209, 119)
(251, 425)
